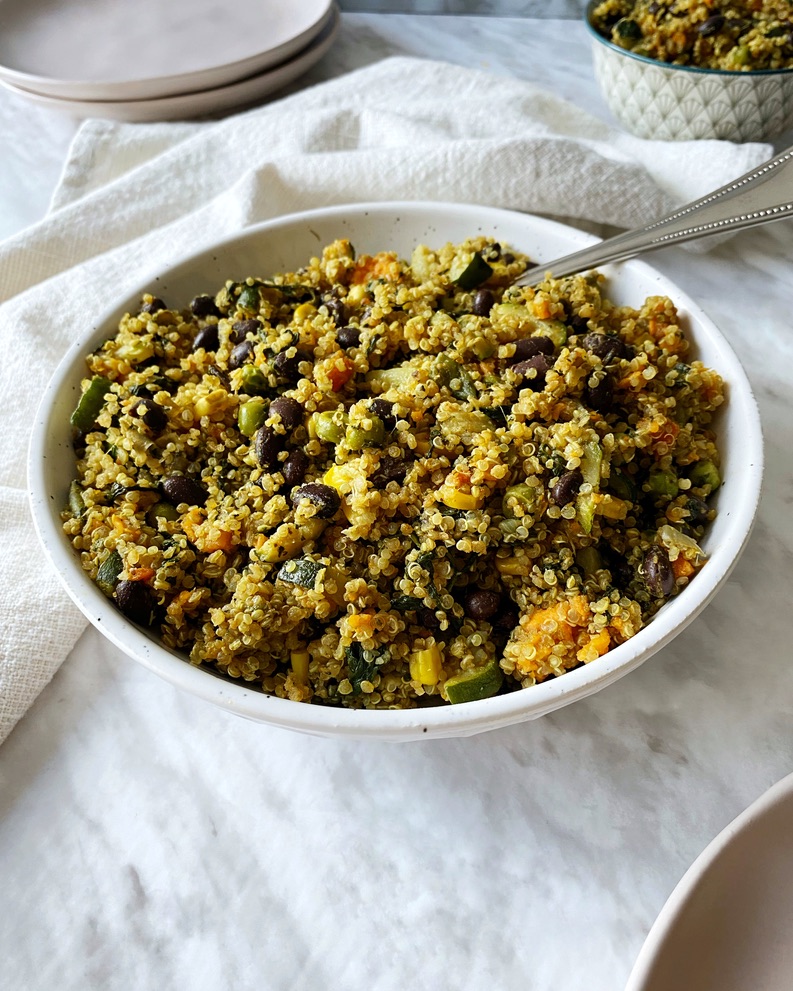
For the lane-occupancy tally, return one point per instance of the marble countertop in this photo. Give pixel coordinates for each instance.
(149, 840)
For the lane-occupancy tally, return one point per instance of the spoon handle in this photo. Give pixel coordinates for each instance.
(760, 196)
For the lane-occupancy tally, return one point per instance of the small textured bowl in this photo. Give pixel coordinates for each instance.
(283, 245)
(682, 103)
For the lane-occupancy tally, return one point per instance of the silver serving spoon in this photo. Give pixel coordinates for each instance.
(762, 195)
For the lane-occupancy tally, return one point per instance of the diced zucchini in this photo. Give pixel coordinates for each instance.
(400, 377)
(585, 510)
(662, 483)
(470, 273)
(588, 560)
(480, 683)
(454, 376)
(522, 500)
(302, 572)
(555, 330)
(76, 501)
(591, 462)
(109, 570)
(622, 485)
(91, 403)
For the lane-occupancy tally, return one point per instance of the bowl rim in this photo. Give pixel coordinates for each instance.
(694, 69)
(438, 721)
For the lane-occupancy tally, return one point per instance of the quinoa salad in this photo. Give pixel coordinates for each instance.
(734, 35)
(380, 483)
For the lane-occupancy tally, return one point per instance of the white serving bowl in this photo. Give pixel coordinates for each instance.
(682, 103)
(726, 926)
(285, 244)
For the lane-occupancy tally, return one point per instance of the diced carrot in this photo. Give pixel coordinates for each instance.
(141, 574)
(339, 376)
(362, 624)
(682, 567)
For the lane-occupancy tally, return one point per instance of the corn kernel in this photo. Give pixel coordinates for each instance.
(426, 665)
(511, 566)
(299, 660)
(455, 499)
(304, 312)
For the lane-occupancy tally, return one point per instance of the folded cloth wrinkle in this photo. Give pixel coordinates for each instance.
(133, 198)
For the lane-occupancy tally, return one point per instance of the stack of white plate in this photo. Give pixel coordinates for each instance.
(151, 60)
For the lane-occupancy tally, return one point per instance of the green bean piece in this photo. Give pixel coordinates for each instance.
(91, 403)
(329, 426)
(360, 437)
(705, 474)
(251, 415)
(76, 501)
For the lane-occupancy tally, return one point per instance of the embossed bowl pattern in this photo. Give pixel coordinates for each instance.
(682, 103)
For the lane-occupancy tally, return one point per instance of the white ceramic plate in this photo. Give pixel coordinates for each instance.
(285, 244)
(122, 50)
(201, 104)
(728, 925)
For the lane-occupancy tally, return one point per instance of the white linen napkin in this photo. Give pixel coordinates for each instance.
(133, 198)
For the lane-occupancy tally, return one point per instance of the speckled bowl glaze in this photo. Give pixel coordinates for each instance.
(283, 245)
(681, 103)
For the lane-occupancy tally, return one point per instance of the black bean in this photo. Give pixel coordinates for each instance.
(151, 414)
(207, 338)
(607, 347)
(154, 306)
(600, 397)
(506, 619)
(287, 365)
(385, 410)
(290, 411)
(531, 373)
(530, 346)
(180, 488)
(337, 310)
(204, 306)
(577, 324)
(481, 604)
(240, 354)
(389, 470)
(483, 302)
(427, 618)
(348, 337)
(621, 571)
(241, 328)
(566, 489)
(697, 511)
(294, 468)
(657, 572)
(325, 498)
(136, 601)
(711, 26)
(267, 445)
